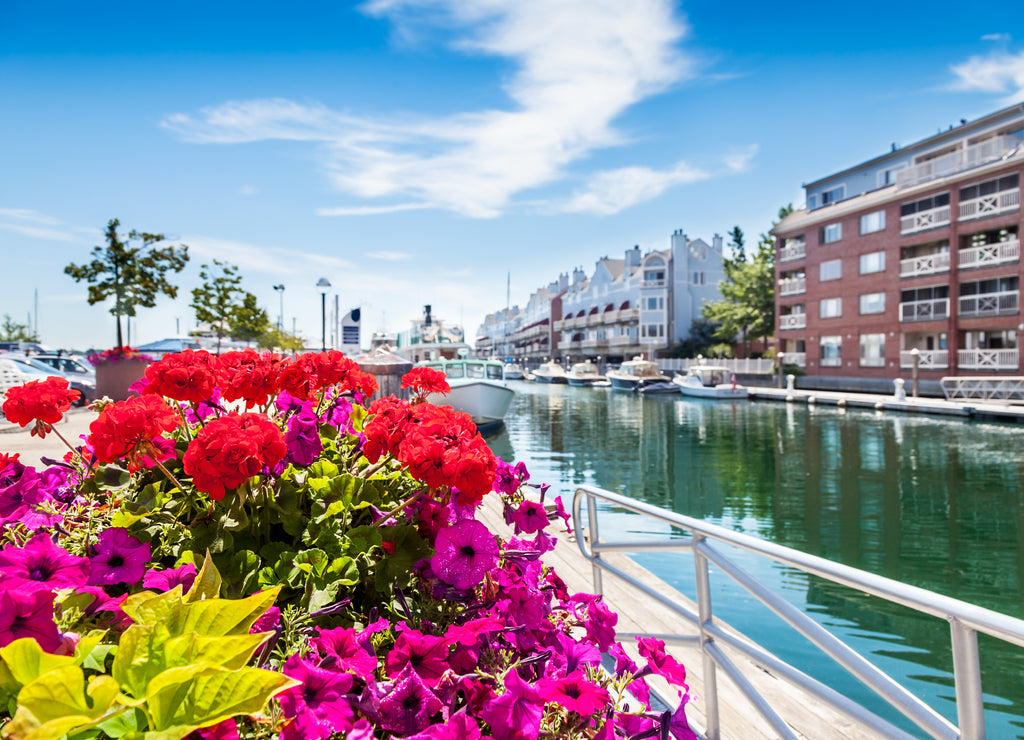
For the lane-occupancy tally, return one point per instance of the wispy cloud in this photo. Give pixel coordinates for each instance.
(1000, 72)
(257, 258)
(739, 160)
(35, 225)
(612, 191)
(389, 256)
(579, 65)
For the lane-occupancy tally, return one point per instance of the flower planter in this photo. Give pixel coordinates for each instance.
(114, 378)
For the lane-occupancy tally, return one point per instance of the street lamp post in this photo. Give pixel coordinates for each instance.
(323, 284)
(280, 316)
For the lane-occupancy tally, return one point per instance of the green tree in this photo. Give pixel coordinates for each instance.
(248, 322)
(736, 243)
(133, 272)
(220, 300)
(274, 338)
(12, 331)
(701, 337)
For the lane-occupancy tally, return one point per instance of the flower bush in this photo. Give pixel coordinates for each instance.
(116, 354)
(248, 550)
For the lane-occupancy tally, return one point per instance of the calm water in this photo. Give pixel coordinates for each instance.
(934, 503)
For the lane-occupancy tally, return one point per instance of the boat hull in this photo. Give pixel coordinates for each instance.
(548, 378)
(485, 401)
(722, 392)
(582, 382)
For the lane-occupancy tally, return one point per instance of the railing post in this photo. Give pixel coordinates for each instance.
(970, 707)
(703, 583)
(592, 532)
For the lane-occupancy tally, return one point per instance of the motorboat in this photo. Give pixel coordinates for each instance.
(663, 387)
(583, 374)
(635, 374)
(513, 371)
(550, 372)
(709, 381)
(478, 388)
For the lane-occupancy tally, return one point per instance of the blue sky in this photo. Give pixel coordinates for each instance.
(418, 152)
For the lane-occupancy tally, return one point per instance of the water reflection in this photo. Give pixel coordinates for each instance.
(930, 502)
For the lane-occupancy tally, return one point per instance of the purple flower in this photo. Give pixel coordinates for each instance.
(40, 563)
(517, 712)
(338, 414)
(303, 438)
(165, 580)
(428, 655)
(530, 517)
(20, 488)
(459, 727)
(321, 702)
(465, 552)
(409, 706)
(574, 692)
(28, 613)
(268, 621)
(119, 558)
(343, 645)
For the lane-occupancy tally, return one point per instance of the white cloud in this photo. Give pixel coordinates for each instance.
(369, 210)
(579, 65)
(260, 259)
(998, 72)
(34, 224)
(612, 191)
(739, 160)
(389, 256)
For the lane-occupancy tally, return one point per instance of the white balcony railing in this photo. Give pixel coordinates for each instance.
(927, 264)
(958, 161)
(987, 255)
(610, 317)
(933, 218)
(591, 343)
(793, 321)
(936, 308)
(987, 359)
(593, 319)
(620, 340)
(795, 358)
(927, 359)
(629, 314)
(990, 304)
(654, 283)
(793, 252)
(990, 205)
(792, 286)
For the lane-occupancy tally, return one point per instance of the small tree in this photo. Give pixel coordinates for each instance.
(274, 338)
(133, 272)
(248, 322)
(12, 331)
(220, 298)
(701, 337)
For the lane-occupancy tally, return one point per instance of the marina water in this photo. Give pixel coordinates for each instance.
(931, 502)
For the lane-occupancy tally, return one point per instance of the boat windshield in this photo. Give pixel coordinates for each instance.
(494, 372)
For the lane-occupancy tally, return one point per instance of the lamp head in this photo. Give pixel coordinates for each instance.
(323, 284)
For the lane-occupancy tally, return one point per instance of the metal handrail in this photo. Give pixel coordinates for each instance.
(965, 620)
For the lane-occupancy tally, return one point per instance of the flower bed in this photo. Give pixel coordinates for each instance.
(117, 370)
(245, 550)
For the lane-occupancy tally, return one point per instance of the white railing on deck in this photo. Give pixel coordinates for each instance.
(990, 205)
(958, 161)
(927, 359)
(933, 218)
(926, 264)
(989, 304)
(965, 387)
(795, 358)
(793, 252)
(745, 366)
(937, 308)
(712, 545)
(792, 286)
(989, 254)
(987, 359)
(793, 321)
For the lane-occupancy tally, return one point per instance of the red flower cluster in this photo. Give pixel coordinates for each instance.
(184, 376)
(424, 380)
(39, 400)
(230, 450)
(127, 429)
(116, 354)
(249, 375)
(439, 445)
(311, 373)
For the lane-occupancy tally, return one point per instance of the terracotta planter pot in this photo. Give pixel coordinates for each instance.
(114, 378)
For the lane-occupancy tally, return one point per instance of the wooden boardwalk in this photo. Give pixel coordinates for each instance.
(638, 613)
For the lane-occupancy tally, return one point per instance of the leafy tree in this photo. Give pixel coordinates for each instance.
(274, 338)
(12, 331)
(221, 303)
(701, 337)
(249, 322)
(133, 271)
(736, 243)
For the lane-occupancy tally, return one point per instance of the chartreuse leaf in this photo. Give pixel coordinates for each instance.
(216, 617)
(207, 583)
(57, 702)
(140, 657)
(180, 697)
(147, 607)
(231, 652)
(25, 661)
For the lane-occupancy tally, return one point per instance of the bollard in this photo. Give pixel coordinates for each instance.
(781, 356)
(789, 383)
(388, 369)
(899, 394)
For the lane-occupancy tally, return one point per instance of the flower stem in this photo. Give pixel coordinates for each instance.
(81, 457)
(398, 508)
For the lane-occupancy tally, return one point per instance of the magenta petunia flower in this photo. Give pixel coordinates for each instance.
(303, 438)
(42, 564)
(458, 727)
(343, 645)
(268, 621)
(409, 706)
(468, 633)
(517, 712)
(322, 697)
(165, 580)
(661, 662)
(574, 692)
(600, 620)
(466, 551)
(428, 656)
(119, 558)
(530, 517)
(20, 489)
(28, 613)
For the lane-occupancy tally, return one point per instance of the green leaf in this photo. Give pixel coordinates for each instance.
(344, 571)
(26, 661)
(207, 584)
(57, 702)
(216, 617)
(314, 562)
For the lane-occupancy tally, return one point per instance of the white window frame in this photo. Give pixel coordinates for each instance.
(826, 272)
(872, 228)
(841, 189)
(831, 233)
(887, 176)
(834, 342)
(872, 303)
(830, 302)
(872, 358)
(879, 262)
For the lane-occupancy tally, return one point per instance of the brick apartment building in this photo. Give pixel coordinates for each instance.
(915, 249)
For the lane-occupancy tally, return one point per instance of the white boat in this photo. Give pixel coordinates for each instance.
(583, 374)
(477, 388)
(634, 374)
(550, 372)
(709, 381)
(513, 371)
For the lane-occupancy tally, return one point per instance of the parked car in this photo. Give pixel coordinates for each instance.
(68, 364)
(30, 366)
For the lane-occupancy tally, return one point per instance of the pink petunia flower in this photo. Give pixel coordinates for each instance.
(28, 613)
(466, 551)
(530, 517)
(320, 703)
(428, 656)
(516, 713)
(343, 645)
(303, 438)
(661, 662)
(42, 564)
(119, 558)
(574, 692)
(409, 706)
(458, 727)
(165, 580)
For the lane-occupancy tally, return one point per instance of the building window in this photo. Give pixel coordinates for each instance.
(1010, 182)
(833, 195)
(831, 270)
(872, 303)
(872, 350)
(655, 304)
(888, 177)
(831, 351)
(652, 330)
(925, 204)
(699, 278)
(830, 308)
(872, 262)
(872, 222)
(830, 233)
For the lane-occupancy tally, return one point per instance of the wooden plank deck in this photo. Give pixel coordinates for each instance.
(639, 613)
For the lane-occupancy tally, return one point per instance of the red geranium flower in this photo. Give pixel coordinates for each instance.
(249, 375)
(128, 429)
(230, 450)
(424, 380)
(40, 401)
(314, 372)
(184, 376)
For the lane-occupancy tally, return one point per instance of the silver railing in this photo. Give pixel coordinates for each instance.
(983, 388)
(965, 620)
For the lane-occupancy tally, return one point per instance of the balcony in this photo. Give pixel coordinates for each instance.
(933, 218)
(990, 304)
(987, 255)
(927, 264)
(793, 321)
(958, 161)
(629, 314)
(927, 359)
(792, 286)
(936, 308)
(990, 205)
(987, 359)
(793, 252)
(593, 343)
(621, 340)
(654, 283)
(610, 317)
(593, 319)
(795, 358)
